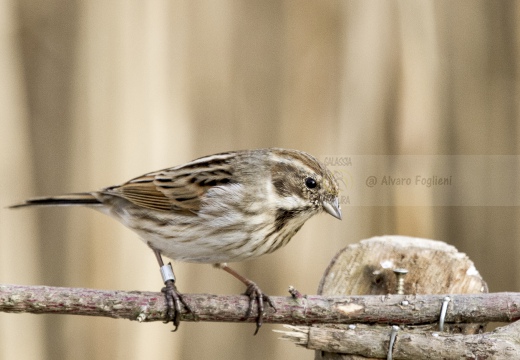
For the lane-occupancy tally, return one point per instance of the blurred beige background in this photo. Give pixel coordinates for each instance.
(93, 93)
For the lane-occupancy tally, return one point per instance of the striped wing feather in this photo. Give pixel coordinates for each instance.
(175, 189)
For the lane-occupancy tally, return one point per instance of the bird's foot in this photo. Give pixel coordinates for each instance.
(174, 303)
(255, 294)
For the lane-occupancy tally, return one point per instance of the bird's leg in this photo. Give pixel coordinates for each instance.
(254, 293)
(174, 299)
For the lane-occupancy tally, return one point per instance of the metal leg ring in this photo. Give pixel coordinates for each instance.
(167, 273)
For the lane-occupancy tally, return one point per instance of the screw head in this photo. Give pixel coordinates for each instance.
(400, 271)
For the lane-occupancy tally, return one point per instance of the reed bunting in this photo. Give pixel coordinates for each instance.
(221, 208)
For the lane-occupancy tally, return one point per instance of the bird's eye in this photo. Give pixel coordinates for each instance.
(310, 183)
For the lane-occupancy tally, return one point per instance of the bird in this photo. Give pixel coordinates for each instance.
(226, 207)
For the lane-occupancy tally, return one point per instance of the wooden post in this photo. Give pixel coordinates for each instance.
(373, 266)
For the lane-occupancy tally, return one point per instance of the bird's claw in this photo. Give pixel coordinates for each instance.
(255, 294)
(174, 303)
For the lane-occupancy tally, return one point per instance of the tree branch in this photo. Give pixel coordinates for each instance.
(296, 310)
(373, 342)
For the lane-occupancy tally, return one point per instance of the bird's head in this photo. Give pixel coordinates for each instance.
(304, 182)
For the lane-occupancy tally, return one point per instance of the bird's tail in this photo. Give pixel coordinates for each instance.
(61, 200)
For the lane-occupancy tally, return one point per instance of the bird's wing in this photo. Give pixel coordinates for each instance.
(178, 189)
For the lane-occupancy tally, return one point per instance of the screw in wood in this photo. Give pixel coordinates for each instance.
(400, 274)
(444, 309)
(393, 335)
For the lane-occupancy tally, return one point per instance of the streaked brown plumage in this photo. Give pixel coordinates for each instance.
(220, 208)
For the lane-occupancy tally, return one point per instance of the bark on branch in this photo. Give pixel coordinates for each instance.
(373, 342)
(304, 310)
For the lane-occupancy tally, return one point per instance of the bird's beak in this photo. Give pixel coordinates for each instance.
(332, 207)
